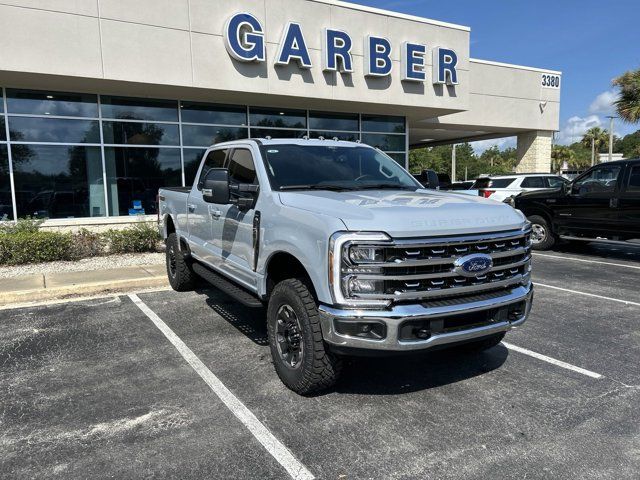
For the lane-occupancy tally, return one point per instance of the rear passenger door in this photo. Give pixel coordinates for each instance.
(233, 233)
(199, 220)
(533, 183)
(629, 203)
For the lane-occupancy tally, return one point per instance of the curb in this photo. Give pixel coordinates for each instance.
(81, 290)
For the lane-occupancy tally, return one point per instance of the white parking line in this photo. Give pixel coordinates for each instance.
(626, 302)
(281, 453)
(553, 361)
(585, 261)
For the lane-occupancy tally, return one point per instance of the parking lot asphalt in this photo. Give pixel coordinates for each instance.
(93, 389)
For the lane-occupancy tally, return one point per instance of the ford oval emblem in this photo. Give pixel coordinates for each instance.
(473, 265)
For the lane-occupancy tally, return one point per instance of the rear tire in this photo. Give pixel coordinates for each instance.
(182, 278)
(299, 354)
(542, 236)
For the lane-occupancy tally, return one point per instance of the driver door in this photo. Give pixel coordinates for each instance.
(590, 206)
(233, 231)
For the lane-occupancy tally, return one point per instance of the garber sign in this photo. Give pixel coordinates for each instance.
(245, 42)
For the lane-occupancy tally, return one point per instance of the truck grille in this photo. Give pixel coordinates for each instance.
(422, 269)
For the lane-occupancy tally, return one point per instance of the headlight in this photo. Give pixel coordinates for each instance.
(347, 251)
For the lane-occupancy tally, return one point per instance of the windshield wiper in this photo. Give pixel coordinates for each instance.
(381, 186)
(331, 187)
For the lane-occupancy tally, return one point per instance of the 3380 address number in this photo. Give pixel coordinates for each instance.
(550, 81)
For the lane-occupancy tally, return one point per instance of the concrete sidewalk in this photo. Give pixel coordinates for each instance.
(39, 287)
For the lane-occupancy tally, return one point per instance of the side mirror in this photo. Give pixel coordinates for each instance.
(215, 188)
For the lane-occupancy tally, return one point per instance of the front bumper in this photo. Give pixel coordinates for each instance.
(394, 318)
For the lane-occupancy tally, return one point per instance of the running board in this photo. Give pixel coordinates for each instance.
(600, 240)
(236, 292)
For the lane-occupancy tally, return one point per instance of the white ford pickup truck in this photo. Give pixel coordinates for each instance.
(348, 252)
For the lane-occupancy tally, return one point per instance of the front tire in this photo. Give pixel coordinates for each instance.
(299, 354)
(182, 278)
(542, 236)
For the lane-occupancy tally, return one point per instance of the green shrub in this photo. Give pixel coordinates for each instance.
(34, 247)
(27, 224)
(142, 237)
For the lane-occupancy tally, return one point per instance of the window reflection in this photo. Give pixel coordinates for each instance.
(57, 181)
(274, 133)
(6, 207)
(381, 123)
(3, 131)
(347, 136)
(136, 174)
(54, 130)
(274, 117)
(395, 143)
(192, 159)
(52, 103)
(333, 121)
(133, 133)
(194, 112)
(206, 135)
(139, 109)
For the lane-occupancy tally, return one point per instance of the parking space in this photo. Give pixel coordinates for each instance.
(95, 389)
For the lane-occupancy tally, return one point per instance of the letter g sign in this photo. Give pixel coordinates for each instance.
(244, 38)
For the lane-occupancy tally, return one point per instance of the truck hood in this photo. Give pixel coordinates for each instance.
(408, 214)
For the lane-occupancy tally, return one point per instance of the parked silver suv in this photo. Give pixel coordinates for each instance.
(348, 253)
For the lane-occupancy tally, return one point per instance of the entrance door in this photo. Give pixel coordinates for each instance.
(590, 207)
(199, 219)
(233, 234)
(629, 204)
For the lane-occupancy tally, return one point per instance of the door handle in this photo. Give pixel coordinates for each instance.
(191, 207)
(215, 213)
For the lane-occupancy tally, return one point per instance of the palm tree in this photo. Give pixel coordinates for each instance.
(595, 138)
(559, 155)
(628, 103)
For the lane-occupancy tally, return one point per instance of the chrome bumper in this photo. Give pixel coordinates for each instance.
(395, 316)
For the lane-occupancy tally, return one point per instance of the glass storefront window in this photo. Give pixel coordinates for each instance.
(58, 181)
(54, 130)
(126, 108)
(274, 133)
(333, 121)
(380, 123)
(136, 174)
(6, 206)
(134, 133)
(347, 136)
(3, 130)
(206, 135)
(281, 118)
(192, 160)
(194, 112)
(393, 143)
(52, 103)
(400, 158)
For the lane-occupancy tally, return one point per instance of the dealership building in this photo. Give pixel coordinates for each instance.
(104, 101)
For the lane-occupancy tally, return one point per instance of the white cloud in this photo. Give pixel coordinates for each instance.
(574, 129)
(502, 143)
(603, 103)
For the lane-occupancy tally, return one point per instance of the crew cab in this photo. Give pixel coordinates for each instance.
(602, 204)
(347, 251)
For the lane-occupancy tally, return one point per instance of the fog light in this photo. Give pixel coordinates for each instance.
(365, 254)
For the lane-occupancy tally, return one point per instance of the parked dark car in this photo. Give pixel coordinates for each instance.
(602, 204)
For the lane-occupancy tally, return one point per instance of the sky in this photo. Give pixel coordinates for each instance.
(590, 42)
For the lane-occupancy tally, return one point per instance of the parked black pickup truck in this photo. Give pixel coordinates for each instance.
(602, 204)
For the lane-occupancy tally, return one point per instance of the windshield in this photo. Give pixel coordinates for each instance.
(300, 167)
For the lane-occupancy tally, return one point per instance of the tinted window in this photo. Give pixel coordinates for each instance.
(193, 112)
(272, 117)
(52, 103)
(333, 121)
(394, 143)
(493, 182)
(379, 123)
(599, 180)
(241, 167)
(3, 130)
(346, 136)
(139, 109)
(192, 160)
(273, 133)
(215, 159)
(54, 130)
(634, 180)
(6, 208)
(556, 182)
(533, 182)
(134, 133)
(206, 135)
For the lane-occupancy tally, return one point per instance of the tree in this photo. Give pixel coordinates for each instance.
(599, 137)
(628, 102)
(560, 155)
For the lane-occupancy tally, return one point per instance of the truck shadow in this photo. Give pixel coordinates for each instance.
(600, 250)
(388, 375)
